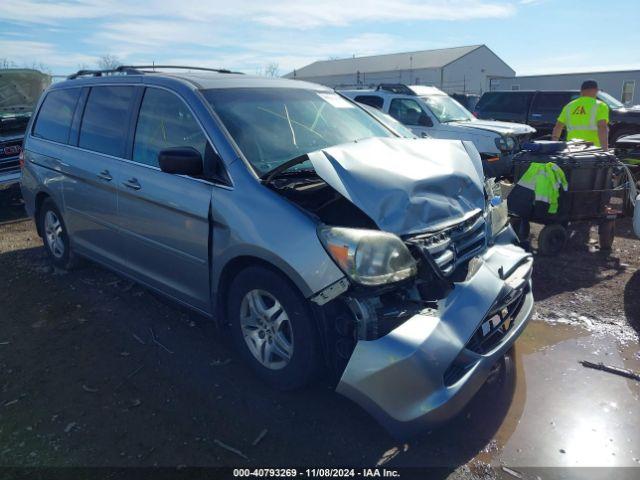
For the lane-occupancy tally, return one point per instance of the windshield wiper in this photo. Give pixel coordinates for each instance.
(268, 176)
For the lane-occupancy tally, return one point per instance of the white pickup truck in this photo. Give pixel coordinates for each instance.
(428, 111)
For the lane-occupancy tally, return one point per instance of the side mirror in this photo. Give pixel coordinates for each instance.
(180, 161)
(425, 120)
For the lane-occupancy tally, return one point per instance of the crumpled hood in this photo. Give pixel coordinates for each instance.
(405, 186)
(503, 128)
(20, 89)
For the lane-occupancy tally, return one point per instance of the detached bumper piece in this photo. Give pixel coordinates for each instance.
(426, 370)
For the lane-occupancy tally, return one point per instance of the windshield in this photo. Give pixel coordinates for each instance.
(446, 109)
(609, 100)
(274, 125)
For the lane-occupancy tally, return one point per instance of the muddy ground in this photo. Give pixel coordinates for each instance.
(82, 383)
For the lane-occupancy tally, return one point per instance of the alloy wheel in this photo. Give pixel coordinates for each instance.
(54, 234)
(266, 329)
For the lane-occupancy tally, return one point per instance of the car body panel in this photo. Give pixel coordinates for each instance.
(541, 108)
(482, 134)
(20, 89)
(184, 236)
(399, 378)
(427, 183)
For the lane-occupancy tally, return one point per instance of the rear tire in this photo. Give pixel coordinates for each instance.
(552, 239)
(606, 234)
(273, 328)
(55, 236)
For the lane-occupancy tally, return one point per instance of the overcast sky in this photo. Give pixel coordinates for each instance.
(533, 36)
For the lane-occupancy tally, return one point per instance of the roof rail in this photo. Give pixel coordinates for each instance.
(100, 73)
(400, 88)
(179, 67)
(140, 70)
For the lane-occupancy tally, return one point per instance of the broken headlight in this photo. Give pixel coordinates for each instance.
(368, 257)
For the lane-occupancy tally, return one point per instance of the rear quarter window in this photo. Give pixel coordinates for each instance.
(504, 102)
(105, 122)
(56, 113)
(371, 100)
(551, 102)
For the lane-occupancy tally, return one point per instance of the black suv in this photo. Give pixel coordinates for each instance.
(540, 109)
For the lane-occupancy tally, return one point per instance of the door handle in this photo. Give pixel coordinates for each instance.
(133, 184)
(537, 115)
(105, 175)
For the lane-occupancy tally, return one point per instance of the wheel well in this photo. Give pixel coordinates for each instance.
(232, 269)
(40, 198)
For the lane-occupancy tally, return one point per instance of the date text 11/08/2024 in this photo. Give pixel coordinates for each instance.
(315, 473)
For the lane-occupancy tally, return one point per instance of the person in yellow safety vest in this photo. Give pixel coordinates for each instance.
(585, 118)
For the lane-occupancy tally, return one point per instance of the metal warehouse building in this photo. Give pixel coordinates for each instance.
(455, 70)
(621, 84)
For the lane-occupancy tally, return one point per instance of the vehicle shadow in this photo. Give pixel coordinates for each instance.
(11, 206)
(120, 378)
(573, 269)
(632, 301)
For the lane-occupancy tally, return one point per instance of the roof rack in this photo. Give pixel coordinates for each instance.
(140, 70)
(399, 88)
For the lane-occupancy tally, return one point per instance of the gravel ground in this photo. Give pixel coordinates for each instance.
(96, 371)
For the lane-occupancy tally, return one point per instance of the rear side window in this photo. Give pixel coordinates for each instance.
(405, 110)
(511, 102)
(164, 122)
(106, 120)
(550, 102)
(371, 100)
(54, 119)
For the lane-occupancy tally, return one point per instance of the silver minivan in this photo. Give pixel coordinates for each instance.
(317, 236)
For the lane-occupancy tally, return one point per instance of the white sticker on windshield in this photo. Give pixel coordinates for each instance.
(335, 100)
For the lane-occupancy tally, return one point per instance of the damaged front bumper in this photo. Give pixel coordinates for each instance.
(426, 370)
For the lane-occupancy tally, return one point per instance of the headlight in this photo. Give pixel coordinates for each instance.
(505, 144)
(368, 257)
(499, 214)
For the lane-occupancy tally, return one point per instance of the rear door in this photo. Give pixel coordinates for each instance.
(410, 113)
(90, 186)
(504, 106)
(165, 217)
(545, 108)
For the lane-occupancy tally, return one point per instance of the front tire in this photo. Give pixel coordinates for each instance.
(273, 328)
(55, 236)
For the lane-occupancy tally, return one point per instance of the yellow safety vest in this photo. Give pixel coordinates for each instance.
(581, 117)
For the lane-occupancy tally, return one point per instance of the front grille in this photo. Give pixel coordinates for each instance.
(9, 166)
(451, 247)
(9, 152)
(486, 338)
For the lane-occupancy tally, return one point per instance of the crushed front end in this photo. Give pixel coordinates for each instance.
(435, 289)
(425, 359)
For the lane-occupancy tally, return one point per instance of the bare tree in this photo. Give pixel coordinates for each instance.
(6, 63)
(108, 62)
(272, 70)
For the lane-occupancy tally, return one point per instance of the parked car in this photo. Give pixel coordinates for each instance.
(540, 109)
(314, 234)
(390, 122)
(19, 93)
(430, 112)
(467, 100)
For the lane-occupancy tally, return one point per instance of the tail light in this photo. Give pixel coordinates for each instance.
(21, 159)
